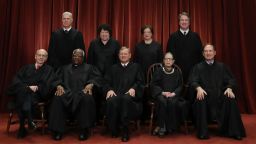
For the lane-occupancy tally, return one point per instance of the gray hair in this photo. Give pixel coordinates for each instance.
(67, 13)
(169, 53)
(79, 51)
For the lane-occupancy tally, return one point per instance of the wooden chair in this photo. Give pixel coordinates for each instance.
(151, 102)
(41, 120)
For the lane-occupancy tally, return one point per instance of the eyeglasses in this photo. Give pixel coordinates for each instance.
(169, 59)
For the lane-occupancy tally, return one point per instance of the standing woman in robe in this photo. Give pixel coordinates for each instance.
(166, 86)
(103, 53)
(148, 51)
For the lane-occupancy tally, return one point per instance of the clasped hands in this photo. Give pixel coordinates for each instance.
(168, 94)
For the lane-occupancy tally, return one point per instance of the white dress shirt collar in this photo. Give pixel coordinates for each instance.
(67, 29)
(124, 64)
(182, 31)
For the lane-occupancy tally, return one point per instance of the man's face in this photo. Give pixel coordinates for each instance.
(104, 35)
(209, 52)
(147, 34)
(184, 22)
(67, 20)
(168, 60)
(77, 58)
(124, 55)
(41, 57)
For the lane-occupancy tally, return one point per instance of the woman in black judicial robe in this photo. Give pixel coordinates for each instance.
(148, 51)
(166, 86)
(102, 53)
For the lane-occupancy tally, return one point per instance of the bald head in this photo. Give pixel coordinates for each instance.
(41, 56)
(42, 51)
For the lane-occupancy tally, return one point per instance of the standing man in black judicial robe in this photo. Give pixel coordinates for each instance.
(31, 85)
(63, 41)
(74, 96)
(186, 46)
(215, 99)
(124, 87)
(103, 53)
(166, 86)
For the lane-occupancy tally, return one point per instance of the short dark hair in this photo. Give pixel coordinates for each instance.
(145, 27)
(105, 27)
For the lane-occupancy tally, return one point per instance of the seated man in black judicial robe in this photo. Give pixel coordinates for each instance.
(123, 93)
(166, 87)
(215, 99)
(74, 96)
(32, 84)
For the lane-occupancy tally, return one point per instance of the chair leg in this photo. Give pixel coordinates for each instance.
(186, 126)
(42, 119)
(138, 124)
(104, 120)
(9, 122)
(151, 119)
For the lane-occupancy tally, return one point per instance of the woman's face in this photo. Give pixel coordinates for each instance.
(168, 60)
(104, 35)
(147, 34)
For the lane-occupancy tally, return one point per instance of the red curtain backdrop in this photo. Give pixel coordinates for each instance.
(26, 25)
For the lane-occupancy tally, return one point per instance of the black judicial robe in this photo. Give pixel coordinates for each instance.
(120, 79)
(61, 47)
(44, 78)
(103, 56)
(215, 79)
(148, 54)
(74, 102)
(74, 79)
(170, 111)
(186, 49)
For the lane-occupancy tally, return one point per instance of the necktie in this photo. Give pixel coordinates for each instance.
(65, 31)
(184, 33)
